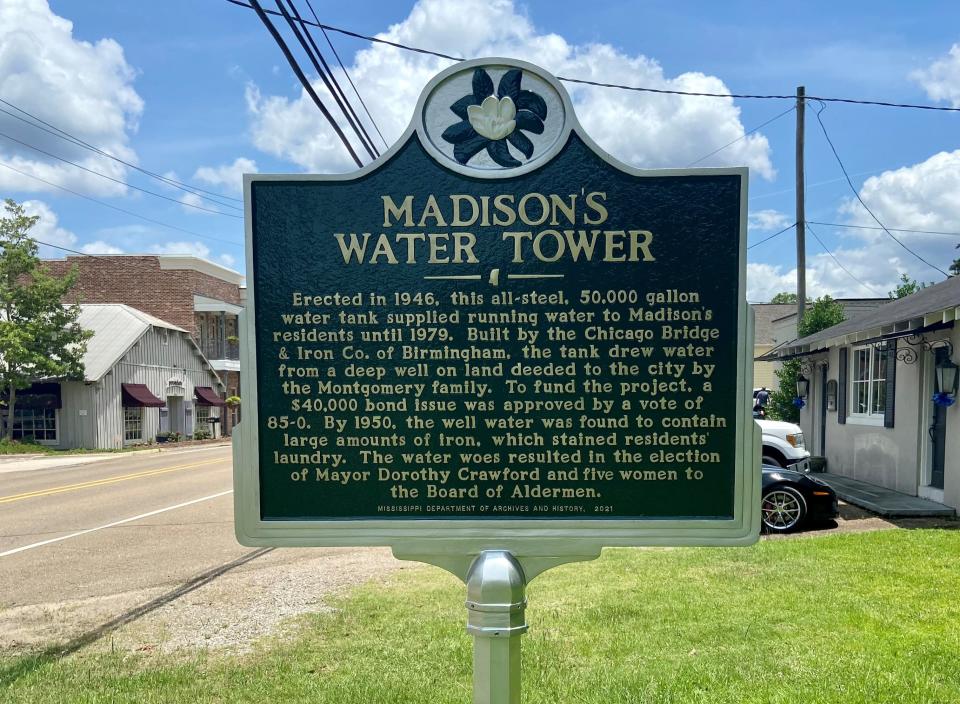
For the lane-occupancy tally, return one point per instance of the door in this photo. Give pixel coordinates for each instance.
(938, 429)
(175, 404)
(823, 411)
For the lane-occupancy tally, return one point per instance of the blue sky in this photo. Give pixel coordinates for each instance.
(186, 89)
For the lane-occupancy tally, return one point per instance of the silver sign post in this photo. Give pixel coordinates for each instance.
(496, 618)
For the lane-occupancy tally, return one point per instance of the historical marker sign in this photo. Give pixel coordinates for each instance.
(497, 336)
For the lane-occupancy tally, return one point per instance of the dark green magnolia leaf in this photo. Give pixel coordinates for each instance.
(460, 107)
(526, 120)
(467, 149)
(519, 140)
(510, 84)
(499, 153)
(482, 85)
(528, 100)
(458, 132)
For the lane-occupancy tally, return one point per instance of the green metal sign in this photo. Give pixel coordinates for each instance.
(497, 336)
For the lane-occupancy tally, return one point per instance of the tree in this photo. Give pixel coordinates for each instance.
(906, 287)
(39, 336)
(822, 314)
(784, 297)
(955, 267)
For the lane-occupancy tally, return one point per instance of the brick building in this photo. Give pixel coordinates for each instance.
(191, 293)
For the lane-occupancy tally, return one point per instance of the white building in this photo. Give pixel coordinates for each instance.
(870, 408)
(143, 377)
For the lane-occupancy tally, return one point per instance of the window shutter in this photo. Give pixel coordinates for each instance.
(888, 411)
(842, 387)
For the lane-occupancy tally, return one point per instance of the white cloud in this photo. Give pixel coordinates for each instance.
(642, 129)
(197, 249)
(85, 89)
(47, 229)
(768, 220)
(825, 277)
(100, 247)
(941, 79)
(191, 202)
(918, 197)
(228, 177)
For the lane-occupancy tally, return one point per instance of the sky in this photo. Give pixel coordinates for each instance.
(197, 93)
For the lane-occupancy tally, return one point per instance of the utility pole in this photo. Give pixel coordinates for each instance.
(801, 216)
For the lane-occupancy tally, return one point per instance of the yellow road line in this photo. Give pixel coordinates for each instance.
(103, 482)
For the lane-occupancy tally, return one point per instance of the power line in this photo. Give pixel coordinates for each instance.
(866, 207)
(313, 53)
(775, 234)
(303, 79)
(119, 181)
(743, 136)
(599, 84)
(892, 229)
(56, 246)
(347, 74)
(358, 123)
(664, 91)
(832, 256)
(66, 136)
(121, 210)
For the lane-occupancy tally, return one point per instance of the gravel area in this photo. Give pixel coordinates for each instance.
(229, 611)
(253, 600)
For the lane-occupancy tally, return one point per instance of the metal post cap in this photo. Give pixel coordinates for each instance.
(496, 595)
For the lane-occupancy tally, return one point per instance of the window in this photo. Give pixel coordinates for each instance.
(203, 416)
(37, 423)
(868, 381)
(132, 424)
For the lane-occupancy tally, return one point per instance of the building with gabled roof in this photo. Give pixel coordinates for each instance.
(199, 296)
(143, 377)
(874, 407)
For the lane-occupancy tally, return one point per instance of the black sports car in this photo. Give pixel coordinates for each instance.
(790, 500)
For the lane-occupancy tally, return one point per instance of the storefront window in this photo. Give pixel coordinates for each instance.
(38, 424)
(132, 424)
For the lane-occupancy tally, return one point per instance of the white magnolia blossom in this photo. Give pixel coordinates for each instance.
(493, 119)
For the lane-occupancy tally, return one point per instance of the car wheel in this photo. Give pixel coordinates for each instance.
(773, 461)
(782, 509)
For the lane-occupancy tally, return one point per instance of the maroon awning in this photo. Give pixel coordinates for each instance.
(206, 396)
(139, 395)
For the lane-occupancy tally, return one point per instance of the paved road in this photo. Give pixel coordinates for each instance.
(165, 544)
(137, 550)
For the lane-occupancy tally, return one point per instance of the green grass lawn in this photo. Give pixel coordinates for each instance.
(855, 618)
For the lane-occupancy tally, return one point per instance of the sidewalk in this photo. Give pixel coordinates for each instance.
(883, 501)
(29, 463)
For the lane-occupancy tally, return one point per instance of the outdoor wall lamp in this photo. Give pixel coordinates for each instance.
(803, 386)
(947, 378)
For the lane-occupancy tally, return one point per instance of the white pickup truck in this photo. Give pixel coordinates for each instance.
(783, 445)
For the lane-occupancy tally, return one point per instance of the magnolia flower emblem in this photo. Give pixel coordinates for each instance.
(493, 118)
(490, 122)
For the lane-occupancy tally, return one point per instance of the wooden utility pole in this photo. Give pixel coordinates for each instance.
(801, 217)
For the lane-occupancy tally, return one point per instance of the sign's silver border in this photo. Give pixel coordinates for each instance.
(528, 537)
